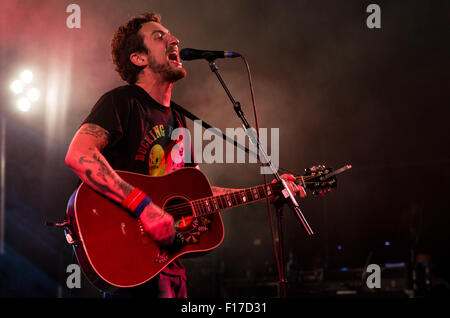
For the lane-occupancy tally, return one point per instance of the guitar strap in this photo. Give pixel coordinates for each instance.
(216, 131)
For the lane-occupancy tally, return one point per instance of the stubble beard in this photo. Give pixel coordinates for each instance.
(169, 73)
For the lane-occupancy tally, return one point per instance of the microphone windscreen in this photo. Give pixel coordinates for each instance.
(190, 54)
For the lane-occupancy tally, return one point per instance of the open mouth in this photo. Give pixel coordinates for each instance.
(174, 58)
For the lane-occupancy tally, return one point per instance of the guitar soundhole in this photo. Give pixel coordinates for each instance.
(182, 213)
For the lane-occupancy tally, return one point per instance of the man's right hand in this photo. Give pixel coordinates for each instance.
(158, 224)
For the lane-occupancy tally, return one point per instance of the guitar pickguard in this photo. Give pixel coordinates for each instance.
(191, 236)
(199, 225)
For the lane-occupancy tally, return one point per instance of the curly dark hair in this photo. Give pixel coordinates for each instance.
(127, 40)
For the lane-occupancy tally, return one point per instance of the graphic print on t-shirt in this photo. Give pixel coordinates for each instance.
(164, 155)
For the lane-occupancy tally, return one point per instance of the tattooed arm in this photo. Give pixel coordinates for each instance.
(219, 190)
(85, 158)
(290, 179)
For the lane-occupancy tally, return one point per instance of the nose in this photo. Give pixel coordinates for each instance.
(172, 40)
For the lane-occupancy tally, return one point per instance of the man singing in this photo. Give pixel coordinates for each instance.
(129, 129)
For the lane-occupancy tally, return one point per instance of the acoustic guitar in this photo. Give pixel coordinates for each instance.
(112, 247)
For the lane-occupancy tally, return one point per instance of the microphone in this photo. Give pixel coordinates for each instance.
(193, 54)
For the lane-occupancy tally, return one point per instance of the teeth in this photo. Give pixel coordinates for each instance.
(177, 63)
(172, 56)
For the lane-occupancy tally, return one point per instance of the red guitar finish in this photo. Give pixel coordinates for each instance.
(112, 247)
(114, 250)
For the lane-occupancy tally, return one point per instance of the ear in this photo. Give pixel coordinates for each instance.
(138, 59)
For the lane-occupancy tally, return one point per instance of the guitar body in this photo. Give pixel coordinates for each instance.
(111, 246)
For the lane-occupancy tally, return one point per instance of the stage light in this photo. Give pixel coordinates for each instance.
(339, 247)
(16, 86)
(387, 243)
(27, 95)
(33, 94)
(23, 104)
(26, 76)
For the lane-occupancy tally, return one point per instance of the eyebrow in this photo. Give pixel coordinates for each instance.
(160, 31)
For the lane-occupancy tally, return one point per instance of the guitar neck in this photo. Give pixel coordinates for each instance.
(213, 204)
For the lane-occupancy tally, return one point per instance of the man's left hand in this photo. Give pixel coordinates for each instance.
(293, 187)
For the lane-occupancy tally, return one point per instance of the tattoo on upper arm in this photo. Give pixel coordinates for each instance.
(83, 160)
(98, 132)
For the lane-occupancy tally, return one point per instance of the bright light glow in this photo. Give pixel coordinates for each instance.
(387, 243)
(33, 94)
(23, 104)
(26, 76)
(16, 86)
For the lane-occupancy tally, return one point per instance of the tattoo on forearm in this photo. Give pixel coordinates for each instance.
(106, 174)
(103, 188)
(105, 171)
(219, 190)
(154, 215)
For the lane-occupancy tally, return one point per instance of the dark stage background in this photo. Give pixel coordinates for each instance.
(339, 92)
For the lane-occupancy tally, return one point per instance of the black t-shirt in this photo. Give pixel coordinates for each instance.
(141, 131)
(140, 140)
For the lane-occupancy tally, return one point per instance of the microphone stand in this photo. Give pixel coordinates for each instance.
(287, 194)
(282, 276)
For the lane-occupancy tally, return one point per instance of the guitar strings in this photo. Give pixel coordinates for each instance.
(188, 204)
(180, 209)
(185, 205)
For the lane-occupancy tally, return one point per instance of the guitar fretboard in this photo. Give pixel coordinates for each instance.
(216, 203)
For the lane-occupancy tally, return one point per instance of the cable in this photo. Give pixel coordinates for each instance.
(269, 212)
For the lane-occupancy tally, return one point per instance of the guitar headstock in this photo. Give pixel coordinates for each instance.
(317, 180)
